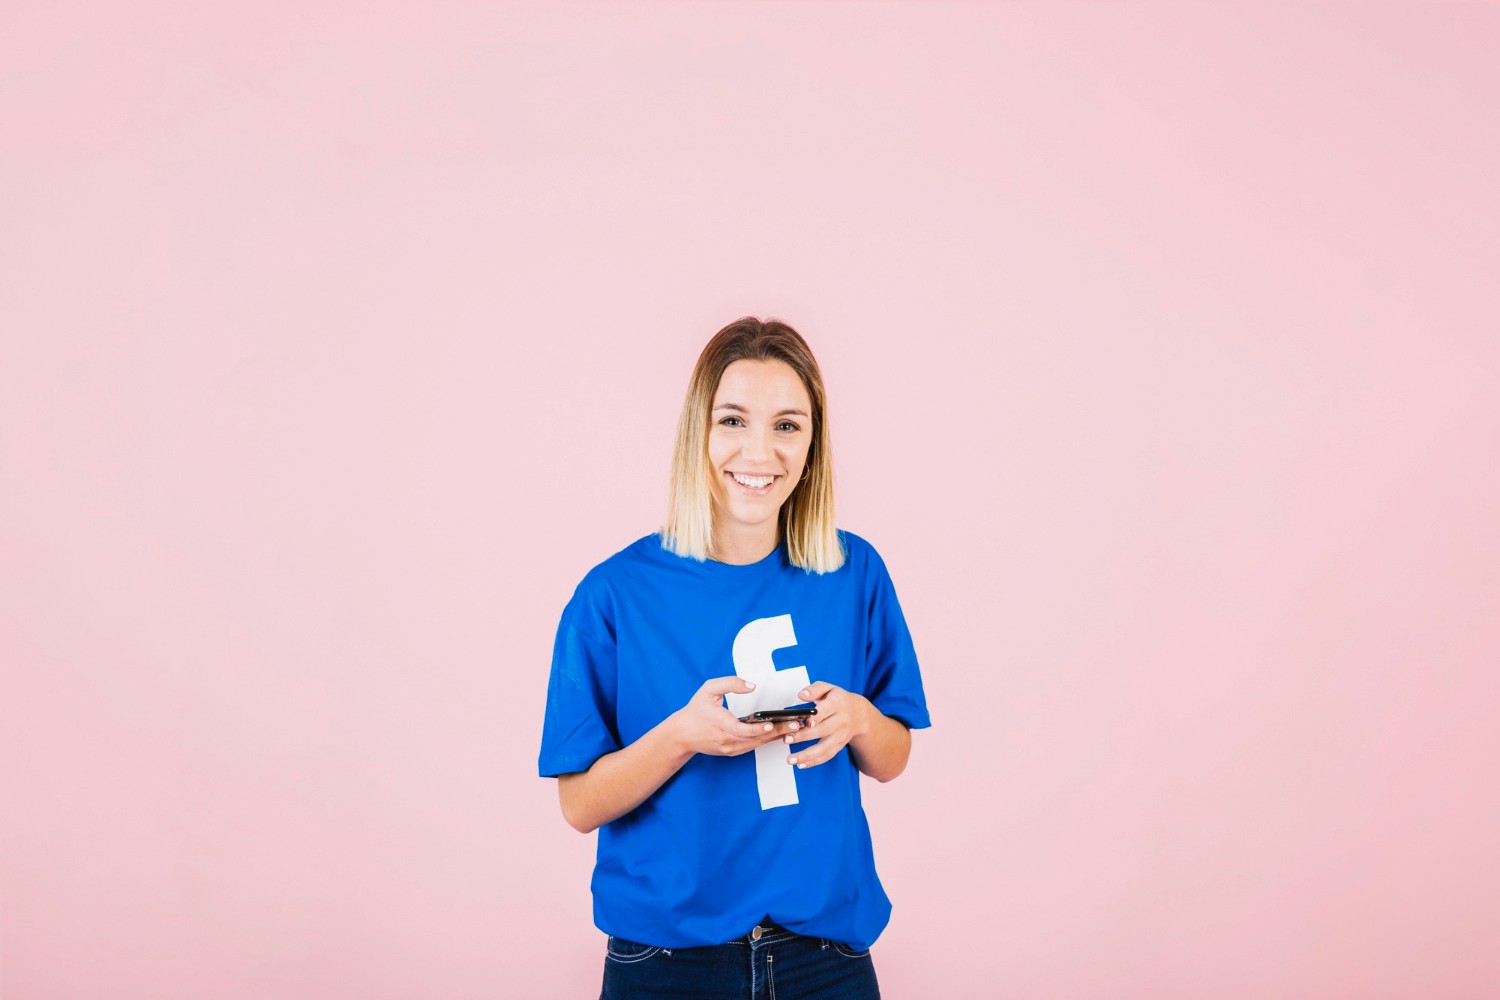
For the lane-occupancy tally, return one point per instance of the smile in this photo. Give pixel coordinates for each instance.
(755, 486)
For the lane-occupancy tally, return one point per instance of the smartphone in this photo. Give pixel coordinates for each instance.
(780, 714)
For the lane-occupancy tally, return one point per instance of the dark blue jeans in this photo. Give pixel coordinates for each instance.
(769, 963)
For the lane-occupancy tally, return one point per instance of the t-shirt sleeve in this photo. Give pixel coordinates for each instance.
(895, 685)
(579, 725)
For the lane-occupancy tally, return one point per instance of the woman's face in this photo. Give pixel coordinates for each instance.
(760, 429)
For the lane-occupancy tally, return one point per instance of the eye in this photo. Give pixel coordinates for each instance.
(726, 422)
(788, 425)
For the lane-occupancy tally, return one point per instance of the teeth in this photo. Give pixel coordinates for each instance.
(753, 482)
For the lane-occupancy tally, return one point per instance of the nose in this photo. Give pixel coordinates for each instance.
(756, 446)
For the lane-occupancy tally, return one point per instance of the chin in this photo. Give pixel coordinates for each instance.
(747, 514)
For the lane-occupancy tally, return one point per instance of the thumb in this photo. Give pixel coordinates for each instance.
(816, 691)
(720, 686)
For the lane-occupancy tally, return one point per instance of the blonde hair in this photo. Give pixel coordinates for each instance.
(805, 521)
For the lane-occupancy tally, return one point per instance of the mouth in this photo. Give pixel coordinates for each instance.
(752, 486)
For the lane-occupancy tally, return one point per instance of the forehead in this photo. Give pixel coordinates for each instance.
(762, 383)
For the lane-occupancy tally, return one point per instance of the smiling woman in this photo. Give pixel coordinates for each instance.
(734, 858)
(757, 449)
(756, 397)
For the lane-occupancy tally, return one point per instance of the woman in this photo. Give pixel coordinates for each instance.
(734, 857)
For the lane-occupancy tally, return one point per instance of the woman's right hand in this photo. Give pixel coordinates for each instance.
(704, 725)
(619, 781)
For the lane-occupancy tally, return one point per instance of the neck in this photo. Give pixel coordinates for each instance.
(742, 545)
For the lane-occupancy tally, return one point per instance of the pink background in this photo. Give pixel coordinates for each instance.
(340, 340)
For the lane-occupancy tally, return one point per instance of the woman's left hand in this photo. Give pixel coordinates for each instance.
(842, 716)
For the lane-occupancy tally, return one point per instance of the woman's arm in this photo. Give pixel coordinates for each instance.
(622, 780)
(882, 750)
(878, 744)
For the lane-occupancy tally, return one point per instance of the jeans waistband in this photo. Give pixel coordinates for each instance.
(764, 930)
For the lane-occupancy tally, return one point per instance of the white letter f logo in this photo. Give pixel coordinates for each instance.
(773, 689)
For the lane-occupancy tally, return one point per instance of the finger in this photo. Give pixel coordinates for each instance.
(730, 723)
(754, 740)
(827, 712)
(825, 751)
(816, 691)
(718, 687)
(789, 732)
(736, 741)
(760, 731)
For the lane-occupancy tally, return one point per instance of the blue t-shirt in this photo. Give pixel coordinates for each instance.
(727, 841)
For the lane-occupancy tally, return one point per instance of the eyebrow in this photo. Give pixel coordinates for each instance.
(737, 406)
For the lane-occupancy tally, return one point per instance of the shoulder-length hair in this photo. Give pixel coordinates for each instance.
(805, 522)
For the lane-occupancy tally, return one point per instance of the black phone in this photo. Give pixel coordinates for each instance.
(780, 714)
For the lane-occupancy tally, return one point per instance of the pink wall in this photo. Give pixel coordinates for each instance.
(339, 341)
